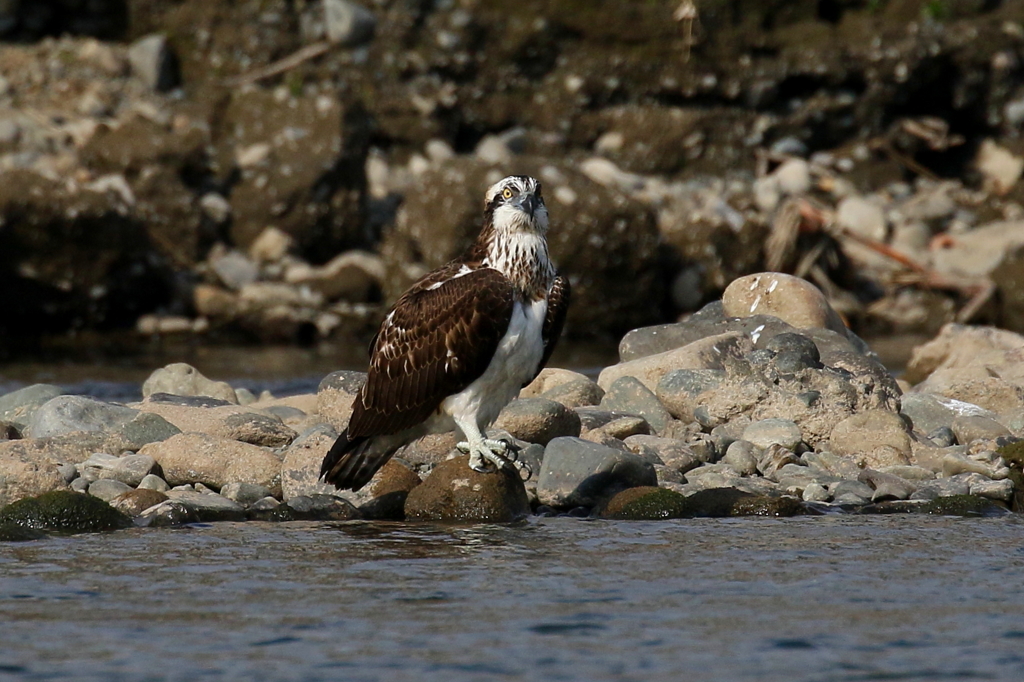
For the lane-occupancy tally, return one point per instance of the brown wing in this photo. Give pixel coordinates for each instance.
(438, 338)
(558, 305)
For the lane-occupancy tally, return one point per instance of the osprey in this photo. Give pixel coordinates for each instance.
(460, 343)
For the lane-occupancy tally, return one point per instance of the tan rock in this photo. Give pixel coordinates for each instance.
(27, 471)
(271, 245)
(335, 396)
(300, 470)
(183, 379)
(225, 421)
(711, 352)
(549, 378)
(958, 346)
(214, 461)
(878, 438)
(134, 502)
(212, 301)
(791, 299)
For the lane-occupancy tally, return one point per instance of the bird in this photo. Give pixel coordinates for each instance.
(459, 345)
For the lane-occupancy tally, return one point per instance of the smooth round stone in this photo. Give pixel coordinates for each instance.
(971, 428)
(244, 493)
(107, 489)
(71, 413)
(80, 485)
(742, 456)
(794, 352)
(788, 298)
(768, 432)
(154, 482)
(130, 469)
(815, 492)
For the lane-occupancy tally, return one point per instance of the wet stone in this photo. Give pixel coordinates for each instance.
(62, 511)
(319, 507)
(887, 486)
(208, 507)
(646, 503)
(851, 493)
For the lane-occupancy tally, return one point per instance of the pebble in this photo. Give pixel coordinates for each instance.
(347, 23)
(153, 62)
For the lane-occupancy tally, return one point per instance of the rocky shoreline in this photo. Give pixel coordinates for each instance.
(761, 403)
(279, 171)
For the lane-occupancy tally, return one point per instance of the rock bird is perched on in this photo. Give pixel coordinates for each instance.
(460, 343)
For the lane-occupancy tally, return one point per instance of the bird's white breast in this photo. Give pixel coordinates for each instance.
(515, 362)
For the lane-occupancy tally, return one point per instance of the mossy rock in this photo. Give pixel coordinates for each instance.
(718, 502)
(12, 532)
(63, 512)
(963, 505)
(646, 503)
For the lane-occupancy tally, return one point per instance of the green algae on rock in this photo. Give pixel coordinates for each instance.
(63, 512)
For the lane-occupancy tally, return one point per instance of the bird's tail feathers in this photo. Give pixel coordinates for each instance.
(351, 463)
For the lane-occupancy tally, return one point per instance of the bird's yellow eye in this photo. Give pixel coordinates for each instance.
(507, 193)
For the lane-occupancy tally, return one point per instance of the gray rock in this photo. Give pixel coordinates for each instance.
(154, 482)
(942, 487)
(887, 486)
(928, 411)
(942, 437)
(994, 490)
(537, 420)
(259, 429)
(595, 417)
(816, 492)
(851, 492)
(74, 413)
(208, 506)
(234, 269)
(723, 435)
(17, 407)
(129, 469)
(673, 454)
(107, 489)
(831, 465)
(181, 379)
(147, 428)
(620, 429)
(627, 394)
(742, 456)
(679, 390)
(977, 427)
(768, 432)
(81, 485)
(300, 470)
(347, 23)
(91, 468)
(153, 62)
(794, 352)
(576, 472)
(244, 493)
(68, 471)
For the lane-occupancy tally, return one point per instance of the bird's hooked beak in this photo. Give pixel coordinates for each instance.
(527, 203)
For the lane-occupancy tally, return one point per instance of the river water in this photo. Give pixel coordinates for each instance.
(829, 599)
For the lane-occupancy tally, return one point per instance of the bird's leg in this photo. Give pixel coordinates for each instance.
(487, 454)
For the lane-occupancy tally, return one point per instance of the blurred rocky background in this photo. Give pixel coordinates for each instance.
(280, 170)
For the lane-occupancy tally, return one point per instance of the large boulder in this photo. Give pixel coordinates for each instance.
(215, 462)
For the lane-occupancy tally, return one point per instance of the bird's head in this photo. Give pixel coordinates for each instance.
(515, 204)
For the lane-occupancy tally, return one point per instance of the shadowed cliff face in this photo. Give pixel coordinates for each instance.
(648, 132)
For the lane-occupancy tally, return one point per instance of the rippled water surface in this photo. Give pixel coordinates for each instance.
(826, 598)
